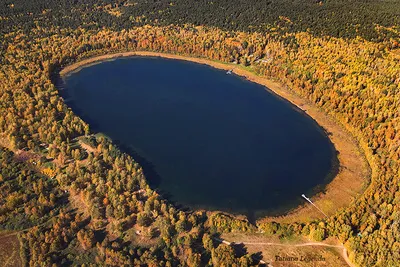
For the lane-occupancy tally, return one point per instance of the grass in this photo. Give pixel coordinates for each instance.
(289, 255)
(9, 250)
(279, 256)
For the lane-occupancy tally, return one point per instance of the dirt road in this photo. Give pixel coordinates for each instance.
(344, 250)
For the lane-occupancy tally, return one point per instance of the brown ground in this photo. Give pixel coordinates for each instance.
(23, 156)
(297, 256)
(288, 250)
(88, 148)
(4, 141)
(9, 250)
(354, 170)
(139, 236)
(77, 202)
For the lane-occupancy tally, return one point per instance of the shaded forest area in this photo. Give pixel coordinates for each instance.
(369, 19)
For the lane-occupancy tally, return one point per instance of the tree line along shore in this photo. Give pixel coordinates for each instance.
(354, 170)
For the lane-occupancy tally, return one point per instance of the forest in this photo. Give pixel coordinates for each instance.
(372, 20)
(75, 198)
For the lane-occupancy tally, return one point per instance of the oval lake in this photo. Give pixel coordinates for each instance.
(204, 138)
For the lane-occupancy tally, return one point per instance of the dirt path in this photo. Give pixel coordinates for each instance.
(344, 250)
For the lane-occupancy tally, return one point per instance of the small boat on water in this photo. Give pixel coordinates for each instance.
(229, 71)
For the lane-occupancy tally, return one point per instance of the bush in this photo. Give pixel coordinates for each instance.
(317, 234)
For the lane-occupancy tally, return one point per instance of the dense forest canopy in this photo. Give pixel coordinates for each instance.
(76, 198)
(371, 19)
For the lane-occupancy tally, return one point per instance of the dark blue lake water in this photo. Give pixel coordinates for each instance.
(206, 139)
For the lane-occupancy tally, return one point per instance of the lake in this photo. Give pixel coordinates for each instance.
(206, 139)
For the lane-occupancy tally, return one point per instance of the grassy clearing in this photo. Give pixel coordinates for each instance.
(299, 256)
(9, 250)
(287, 254)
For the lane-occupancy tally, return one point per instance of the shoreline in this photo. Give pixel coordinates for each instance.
(343, 188)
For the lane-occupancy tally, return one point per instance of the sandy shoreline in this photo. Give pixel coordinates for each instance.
(354, 170)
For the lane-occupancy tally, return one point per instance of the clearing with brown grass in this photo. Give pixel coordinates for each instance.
(9, 250)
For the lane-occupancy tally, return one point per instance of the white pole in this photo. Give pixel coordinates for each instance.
(309, 200)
